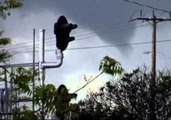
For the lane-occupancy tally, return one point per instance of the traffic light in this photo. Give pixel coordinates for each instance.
(62, 31)
(62, 101)
(65, 97)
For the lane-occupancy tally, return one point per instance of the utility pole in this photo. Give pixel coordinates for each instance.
(154, 20)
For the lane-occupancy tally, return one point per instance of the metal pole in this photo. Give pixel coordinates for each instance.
(42, 60)
(6, 94)
(33, 81)
(43, 75)
(11, 92)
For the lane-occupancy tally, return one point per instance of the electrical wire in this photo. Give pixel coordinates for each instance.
(147, 6)
(82, 34)
(85, 35)
(81, 37)
(107, 46)
(52, 40)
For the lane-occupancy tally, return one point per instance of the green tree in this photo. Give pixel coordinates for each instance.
(23, 92)
(24, 113)
(109, 66)
(53, 100)
(4, 54)
(5, 7)
(129, 98)
(90, 108)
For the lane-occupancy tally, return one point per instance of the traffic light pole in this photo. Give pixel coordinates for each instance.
(33, 79)
(41, 60)
(58, 52)
(43, 65)
(62, 31)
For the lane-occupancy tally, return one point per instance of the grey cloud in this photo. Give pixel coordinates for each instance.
(108, 19)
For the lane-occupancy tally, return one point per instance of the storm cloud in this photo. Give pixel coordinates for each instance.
(106, 19)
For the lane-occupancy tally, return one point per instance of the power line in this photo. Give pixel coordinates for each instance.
(147, 6)
(111, 45)
(83, 34)
(117, 45)
(23, 46)
(52, 42)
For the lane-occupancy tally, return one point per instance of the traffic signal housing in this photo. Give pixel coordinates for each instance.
(62, 101)
(62, 30)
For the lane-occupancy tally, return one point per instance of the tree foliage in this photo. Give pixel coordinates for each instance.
(129, 98)
(22, 92)
(53, 100)
(24, 113)
(110, 66)
(4, 54)
(5, 8)
(7, 5)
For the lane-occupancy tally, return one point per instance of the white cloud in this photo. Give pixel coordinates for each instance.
(74, 83)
